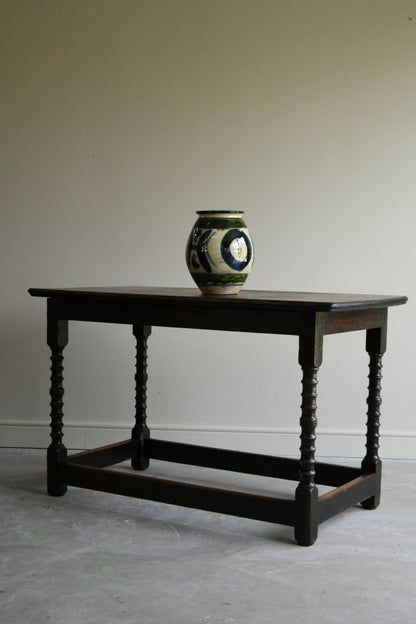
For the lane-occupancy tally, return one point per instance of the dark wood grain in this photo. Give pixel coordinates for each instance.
(105, 455)
(310, 359)
(221, 459)
(254, 506)
(376, 347)
(345, 496)
(140, 433)
(310, 316)
(246, 298)
(57, 338)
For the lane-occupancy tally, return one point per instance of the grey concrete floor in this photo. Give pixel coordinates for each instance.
(93, 558)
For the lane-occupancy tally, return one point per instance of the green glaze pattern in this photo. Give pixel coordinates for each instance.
(218, 223)
(239, 278)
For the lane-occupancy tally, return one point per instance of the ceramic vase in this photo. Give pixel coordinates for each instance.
(219, 252)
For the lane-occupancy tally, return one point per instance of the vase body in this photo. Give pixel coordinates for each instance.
(219, 252)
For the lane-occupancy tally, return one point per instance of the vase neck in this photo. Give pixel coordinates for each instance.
(229, 214)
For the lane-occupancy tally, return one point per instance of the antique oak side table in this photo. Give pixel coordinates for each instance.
(310, 316)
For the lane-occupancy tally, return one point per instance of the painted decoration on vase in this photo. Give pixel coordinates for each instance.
(219, 252)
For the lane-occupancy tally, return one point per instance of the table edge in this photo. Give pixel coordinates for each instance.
(373, 301)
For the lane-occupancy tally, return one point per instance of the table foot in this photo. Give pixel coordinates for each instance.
(371, 503)
(306, 523)
(375, 468)
(55, 457)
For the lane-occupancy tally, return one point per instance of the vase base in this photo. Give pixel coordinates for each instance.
(217, 289)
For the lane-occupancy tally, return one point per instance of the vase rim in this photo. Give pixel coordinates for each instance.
(205, 212)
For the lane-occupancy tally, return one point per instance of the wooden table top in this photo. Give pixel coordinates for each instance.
(264, 299)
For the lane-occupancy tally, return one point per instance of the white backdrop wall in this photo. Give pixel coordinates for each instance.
(120, 119)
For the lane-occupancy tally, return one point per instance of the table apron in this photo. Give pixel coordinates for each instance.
(353, 320)
(290, 322)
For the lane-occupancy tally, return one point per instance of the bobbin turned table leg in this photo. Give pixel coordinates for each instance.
(376, 347)
(306, 499)
(57, 453)
(140, 432)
